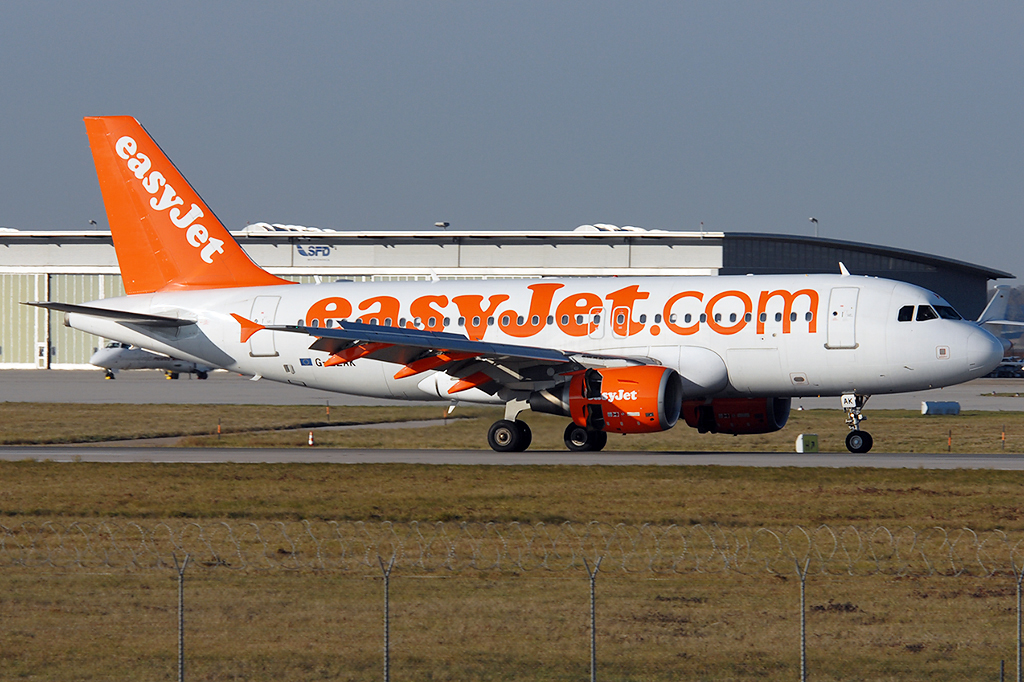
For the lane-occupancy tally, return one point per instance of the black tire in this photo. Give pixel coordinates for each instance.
(504, 436)
(172, 375)
(525, 435)
(576, 438)
(201, 375)
(579, 439)
(859, 441)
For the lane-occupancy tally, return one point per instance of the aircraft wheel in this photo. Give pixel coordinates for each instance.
(859, 441)
(525, 435)
(109, 375)
(579, 439)
(201, 375)
(505, 436)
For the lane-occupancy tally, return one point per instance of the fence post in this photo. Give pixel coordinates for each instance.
(1018, 576)
(593, 614)
(802, 573)
(385, 569)
(181, 614)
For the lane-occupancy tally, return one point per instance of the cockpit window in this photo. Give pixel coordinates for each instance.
(926, 312)
(947, 313)
(906, 314)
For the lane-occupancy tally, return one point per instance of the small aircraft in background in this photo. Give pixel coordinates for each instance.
(117, 356)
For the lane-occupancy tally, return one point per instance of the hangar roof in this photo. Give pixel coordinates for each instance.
(743, 251)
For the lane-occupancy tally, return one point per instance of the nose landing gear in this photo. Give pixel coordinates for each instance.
(857, 441)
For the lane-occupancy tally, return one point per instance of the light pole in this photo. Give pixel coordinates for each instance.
(815, 221)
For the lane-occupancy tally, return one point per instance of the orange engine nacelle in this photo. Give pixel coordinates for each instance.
(617, 400)
(737, 415)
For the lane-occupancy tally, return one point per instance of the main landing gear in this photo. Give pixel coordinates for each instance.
(509, 435)
(856, 441)
(580, 439)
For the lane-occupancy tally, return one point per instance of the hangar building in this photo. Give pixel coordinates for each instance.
(74, 267)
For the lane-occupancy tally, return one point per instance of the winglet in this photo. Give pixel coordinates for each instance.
(842, 269)
(248, 327)
(996, 308)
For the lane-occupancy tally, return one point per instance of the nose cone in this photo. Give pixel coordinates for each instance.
(984, 352)
(100, 358)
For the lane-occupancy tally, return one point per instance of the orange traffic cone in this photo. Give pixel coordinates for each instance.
(311, 438)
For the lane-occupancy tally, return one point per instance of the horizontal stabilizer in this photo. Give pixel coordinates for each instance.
(118, 315)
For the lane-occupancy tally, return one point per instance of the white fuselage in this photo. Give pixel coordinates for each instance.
(783, 335)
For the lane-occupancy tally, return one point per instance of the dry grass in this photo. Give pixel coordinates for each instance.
(729, 496)
(302, 627)
(72, 625)
(36, 423)
(288, 426)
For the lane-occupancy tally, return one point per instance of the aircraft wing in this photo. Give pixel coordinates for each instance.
(475, 364)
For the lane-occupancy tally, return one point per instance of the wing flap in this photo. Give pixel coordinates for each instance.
(473, 364)
(357, 333)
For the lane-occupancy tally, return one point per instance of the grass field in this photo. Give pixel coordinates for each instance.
(288, 426)
(77, 624)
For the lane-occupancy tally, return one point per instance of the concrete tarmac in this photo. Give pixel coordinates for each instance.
(223, 388)
(76, 453)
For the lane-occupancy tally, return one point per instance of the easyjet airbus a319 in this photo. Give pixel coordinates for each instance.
(614, 355)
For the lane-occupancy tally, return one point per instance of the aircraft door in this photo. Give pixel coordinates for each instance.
(842, 318)
(264, 309)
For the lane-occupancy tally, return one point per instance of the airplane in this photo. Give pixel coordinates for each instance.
(624, 355)
(115, 356)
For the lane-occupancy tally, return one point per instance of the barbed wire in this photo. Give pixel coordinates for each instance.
(445, 547)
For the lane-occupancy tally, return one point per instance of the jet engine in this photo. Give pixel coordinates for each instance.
(617, 400)
(737, 415)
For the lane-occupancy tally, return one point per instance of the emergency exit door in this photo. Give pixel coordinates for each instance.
(264, 309)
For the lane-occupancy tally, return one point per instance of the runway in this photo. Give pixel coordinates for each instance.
(77, 453)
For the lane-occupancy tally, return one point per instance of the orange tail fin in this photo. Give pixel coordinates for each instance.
(165, 235)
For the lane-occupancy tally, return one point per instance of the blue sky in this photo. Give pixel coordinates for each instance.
(899, 124)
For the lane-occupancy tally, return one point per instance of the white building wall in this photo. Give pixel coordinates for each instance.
(76, 267)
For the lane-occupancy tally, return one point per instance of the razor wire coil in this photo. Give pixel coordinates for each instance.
(517, 548)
